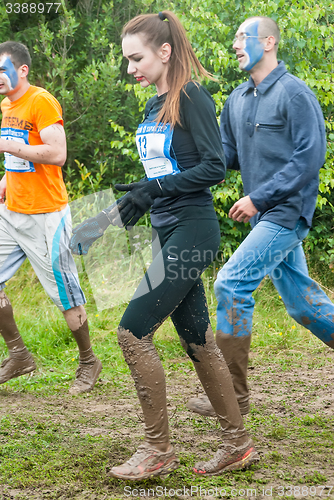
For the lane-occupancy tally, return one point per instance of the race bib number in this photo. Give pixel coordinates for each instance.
(153, 144)
(13, 163)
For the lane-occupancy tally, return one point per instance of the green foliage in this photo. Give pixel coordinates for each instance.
(77, 57)
(5, 23)
(82, 68)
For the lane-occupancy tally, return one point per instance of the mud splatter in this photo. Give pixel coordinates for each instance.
(305, 320)
(4, 300)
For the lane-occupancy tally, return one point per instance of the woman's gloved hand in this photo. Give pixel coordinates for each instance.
(139, 198)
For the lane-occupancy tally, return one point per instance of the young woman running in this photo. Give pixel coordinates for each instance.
(180, 147)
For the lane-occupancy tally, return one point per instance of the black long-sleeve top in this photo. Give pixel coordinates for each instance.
(197, 148)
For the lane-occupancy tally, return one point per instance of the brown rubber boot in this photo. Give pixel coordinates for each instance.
(236, 351)
(86, 376)
(13, 367)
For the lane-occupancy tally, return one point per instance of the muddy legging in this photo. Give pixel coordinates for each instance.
(172, 287)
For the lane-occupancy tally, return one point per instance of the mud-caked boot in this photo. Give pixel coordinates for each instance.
(20, 362)
(236, 353)
(86, 376)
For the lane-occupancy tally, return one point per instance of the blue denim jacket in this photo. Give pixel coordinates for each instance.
(275, 135)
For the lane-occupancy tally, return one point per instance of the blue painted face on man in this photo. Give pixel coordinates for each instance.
(252, 45)
(8, 72)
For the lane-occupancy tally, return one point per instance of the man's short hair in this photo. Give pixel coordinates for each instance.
(267, 27)
(19, 54)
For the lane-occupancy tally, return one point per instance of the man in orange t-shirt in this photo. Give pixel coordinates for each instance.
(35, 220)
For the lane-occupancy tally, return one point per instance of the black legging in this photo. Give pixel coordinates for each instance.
(172, 285)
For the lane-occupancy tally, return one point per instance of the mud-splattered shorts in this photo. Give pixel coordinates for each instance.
(43, 239)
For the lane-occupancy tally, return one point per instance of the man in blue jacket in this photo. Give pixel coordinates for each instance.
(273, 131)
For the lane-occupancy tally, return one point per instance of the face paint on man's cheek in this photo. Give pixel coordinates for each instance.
(253, 49)
(9, 72)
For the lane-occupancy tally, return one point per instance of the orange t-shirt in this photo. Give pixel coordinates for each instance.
(32, 188)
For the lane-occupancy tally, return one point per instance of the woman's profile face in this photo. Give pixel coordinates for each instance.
(146, 65)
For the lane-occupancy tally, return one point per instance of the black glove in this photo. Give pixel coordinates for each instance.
(136, 202)
(89, 231)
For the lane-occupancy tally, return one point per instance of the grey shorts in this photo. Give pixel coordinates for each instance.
(43, 239)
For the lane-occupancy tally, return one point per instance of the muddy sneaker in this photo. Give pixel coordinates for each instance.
(86, 376)
(202, 405)
(13, 367)
(145, 463)
(228, 457)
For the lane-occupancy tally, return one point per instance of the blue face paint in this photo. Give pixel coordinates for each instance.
(253, 48)
(8, 71)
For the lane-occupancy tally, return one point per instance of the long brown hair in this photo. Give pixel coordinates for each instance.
(156, 30)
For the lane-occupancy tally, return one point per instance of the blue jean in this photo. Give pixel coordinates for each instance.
(276, 251)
